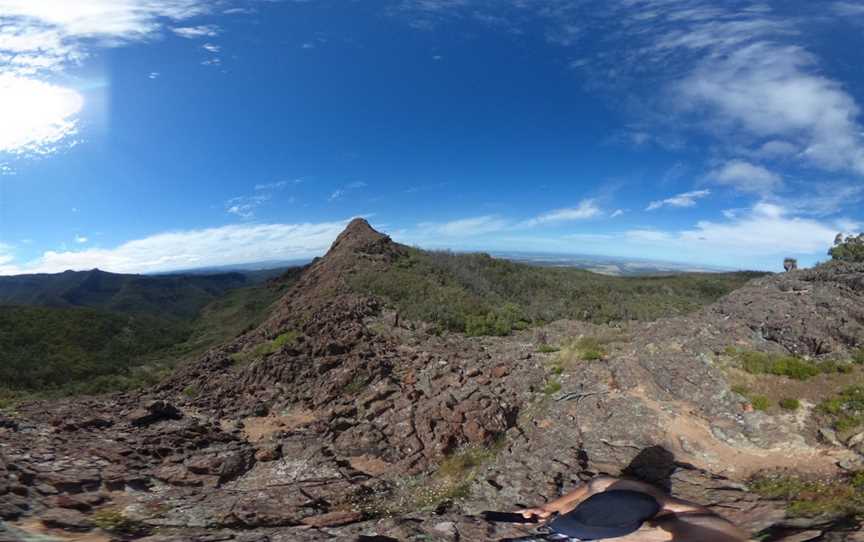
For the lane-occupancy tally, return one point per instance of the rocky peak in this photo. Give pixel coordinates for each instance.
(359, 236)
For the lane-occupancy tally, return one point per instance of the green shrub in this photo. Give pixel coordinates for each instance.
(846, 409)
(831, 366)
(553, 386)
(776, 364)
(557, 370)
(858, 356)
(113, 521)
(546, 349)
(760, 402)
(810, 497)
(191, 391)
(741, 390)
(789, 404)
(356, 385)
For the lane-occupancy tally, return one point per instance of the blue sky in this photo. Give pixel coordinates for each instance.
(149, 135)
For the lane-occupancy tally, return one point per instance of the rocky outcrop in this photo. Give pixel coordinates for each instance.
(287, 432)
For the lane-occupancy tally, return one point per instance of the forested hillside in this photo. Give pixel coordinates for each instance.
(156, 323)
(482, 295)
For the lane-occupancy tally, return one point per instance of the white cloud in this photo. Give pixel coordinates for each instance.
(617, 213)
(195, 32)
(191, 248)
(278, 185)
(746, 177)
(586, 209)
(153, 75)
(687, 199)
(764, 230)
(80, 239)
(211, 47)
(41, 38)
(848, 9)
(767, 91)
(308, 45)
(777, 149)
(6, 254)
(342, 191)
(35, 116)
(466, 227)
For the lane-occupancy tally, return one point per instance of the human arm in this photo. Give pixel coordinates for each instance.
(571, 500)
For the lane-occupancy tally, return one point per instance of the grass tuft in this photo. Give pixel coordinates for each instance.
(789, 404)
(810, 497)
(778, 364)
(115, 522)
(846, 409)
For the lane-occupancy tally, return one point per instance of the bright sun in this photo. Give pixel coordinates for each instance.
(34, 115)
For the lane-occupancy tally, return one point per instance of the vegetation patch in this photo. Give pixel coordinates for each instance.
(115, 522)
(760, 402)
(546, 349)
(356, 385)
(553, 386)
(480, 295)
(264, 349)
(846, 410)
(450, 483)
(789, 404)
(777, 364)
(809, 497)
(858, 356)
(587, 348)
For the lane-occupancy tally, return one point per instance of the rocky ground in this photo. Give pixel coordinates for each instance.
(336, 420)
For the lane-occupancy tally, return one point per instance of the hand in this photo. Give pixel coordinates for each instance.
(541, 512)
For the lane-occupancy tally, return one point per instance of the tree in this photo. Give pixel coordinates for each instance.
(790, 264)
(850, 249)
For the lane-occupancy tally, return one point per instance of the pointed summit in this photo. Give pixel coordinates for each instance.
(359, 236)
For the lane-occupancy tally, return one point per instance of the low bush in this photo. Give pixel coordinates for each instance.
(448, 484)
(858, 356)
(546, 349)
(552, 387)
(831, 366)
(760, 402)
(846, 409)
(115, 522)
(810, 497)
(789, 404)
(776, 364)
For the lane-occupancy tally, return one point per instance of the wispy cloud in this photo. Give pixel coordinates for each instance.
(746, 177)
(586, 209)
(246, 206)
(687, 199)
(211, 47)
(765, 229)
(185, 249)
(196, 32)
(739, 72)
(342, 191)
(80, 239)
(848, 9)
(277, 185)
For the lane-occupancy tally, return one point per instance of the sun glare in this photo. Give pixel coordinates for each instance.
(35, 116)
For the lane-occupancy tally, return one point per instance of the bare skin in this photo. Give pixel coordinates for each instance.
(677, 521)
